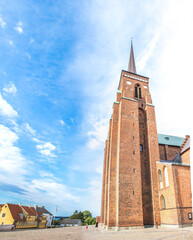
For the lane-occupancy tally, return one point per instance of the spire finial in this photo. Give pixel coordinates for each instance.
(131, 66)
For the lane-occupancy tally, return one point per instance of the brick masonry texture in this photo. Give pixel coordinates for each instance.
(133, 192)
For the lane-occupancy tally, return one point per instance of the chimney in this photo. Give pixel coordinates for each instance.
(20, 204)
(35, 206)
(43, 207)
(29, 205)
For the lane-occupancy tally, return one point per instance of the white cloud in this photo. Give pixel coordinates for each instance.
(6, 109)
(62, 122)
(11, 42)
(12, 162)
(11, 88)
(2, 23)
(14, 168)
(29, 129)
(19, 27)
(148, 52)
(98, 133)
(46, 149)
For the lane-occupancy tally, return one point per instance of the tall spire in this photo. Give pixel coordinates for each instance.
(131, 66)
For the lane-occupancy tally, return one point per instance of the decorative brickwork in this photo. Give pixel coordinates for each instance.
(137, 188)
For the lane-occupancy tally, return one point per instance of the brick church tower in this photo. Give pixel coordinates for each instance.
(130, 190)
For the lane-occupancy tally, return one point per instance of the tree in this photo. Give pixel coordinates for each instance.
(77, 215)
(87, 214)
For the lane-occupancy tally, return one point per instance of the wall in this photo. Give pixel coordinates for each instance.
(8, 219)
(168, 152)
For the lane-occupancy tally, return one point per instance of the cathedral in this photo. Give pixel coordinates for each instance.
(146, 175)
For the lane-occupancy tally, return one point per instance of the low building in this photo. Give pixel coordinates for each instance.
(20, 217)
(43, 220)
(12, 214)
(174, 188)
(71, 222)
(1, 205)
(45, 212)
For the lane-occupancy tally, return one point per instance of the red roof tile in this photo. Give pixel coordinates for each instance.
(15, 211)
(29, 210)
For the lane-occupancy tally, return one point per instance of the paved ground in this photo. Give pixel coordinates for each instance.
(80, 233)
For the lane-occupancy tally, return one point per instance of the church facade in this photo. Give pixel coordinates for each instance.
(142, 170)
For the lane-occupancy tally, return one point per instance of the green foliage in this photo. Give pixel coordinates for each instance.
(77, 215)
(85, 216)
(57, 222)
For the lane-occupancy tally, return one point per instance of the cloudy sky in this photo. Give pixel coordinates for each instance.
(60, 64)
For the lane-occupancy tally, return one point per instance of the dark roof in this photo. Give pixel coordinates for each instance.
(1, 205)
(131, 66)
(70, 221)
(170, 140)
(177, 159)
(42, 210)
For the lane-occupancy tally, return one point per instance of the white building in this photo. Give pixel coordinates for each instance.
(46, 213)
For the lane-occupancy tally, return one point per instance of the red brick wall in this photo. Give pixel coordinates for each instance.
(168, 152)
(186, 156)
(183, 180)
(145, 171)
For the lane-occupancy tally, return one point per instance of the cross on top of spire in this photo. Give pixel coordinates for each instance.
(131, 66)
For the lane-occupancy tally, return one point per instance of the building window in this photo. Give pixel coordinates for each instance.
(163, 202)
(133, 152)
(3, 215)
(189, 215)
(160, 179)
(137, 91)
(166, 176)
(21, 215)
(141, 148)
(134, 170)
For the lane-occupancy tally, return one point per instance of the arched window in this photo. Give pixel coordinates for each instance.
(166, 177)
(141, 148)
(137, 91)
(162, 202)
(160, 179)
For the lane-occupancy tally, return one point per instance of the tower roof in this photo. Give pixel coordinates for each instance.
(131, 66)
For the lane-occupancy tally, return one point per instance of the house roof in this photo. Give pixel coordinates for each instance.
(42, 210)
(30, 210)
(1, 205)
(186, 146)
(170, 140)
(15, 211)
(70, 221)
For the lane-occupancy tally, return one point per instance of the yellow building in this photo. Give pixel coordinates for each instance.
(42, 220)
(1, 205)
(21, 217)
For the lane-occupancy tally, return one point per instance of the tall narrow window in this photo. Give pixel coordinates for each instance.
(163, 202)
(160, 179)
(166, 177)
(136, 91)
(139, 92)
(141, 148)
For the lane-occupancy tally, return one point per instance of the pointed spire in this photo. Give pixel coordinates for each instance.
(131, 66)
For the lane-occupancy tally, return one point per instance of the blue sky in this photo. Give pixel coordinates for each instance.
(60, 64)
